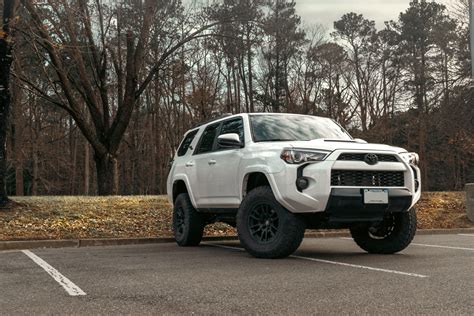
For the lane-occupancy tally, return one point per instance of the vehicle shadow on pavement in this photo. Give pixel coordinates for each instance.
(322, 253)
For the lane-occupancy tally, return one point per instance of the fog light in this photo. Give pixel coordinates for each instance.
(302, 183)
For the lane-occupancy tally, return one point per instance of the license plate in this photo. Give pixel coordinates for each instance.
(375, 196)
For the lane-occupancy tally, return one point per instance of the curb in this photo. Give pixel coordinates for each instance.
(441, 231)
(92, 242)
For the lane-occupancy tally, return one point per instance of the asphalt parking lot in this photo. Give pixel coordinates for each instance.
(434, 276)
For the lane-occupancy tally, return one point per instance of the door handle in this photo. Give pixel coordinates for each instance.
(212, 162)
(189, 164)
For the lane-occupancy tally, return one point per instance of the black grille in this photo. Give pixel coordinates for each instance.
(360, 157)
(363, 178)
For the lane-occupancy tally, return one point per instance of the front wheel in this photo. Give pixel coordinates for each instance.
(392, 235)
(265, 228)
(188, 224)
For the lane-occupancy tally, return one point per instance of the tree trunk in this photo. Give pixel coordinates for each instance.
(4, 114)
(17, 136)
(17, 139)
(9, 7)
(107, 174)
(249, 65)
(73, 150)
(86, 169)
(34, 185)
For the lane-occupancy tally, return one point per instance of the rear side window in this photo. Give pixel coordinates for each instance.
(186, 143)
(234, 126)
(206, 143)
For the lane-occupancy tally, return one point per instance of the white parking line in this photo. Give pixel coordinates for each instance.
(338, 263)
(445, 247)
(433, 246)
(70, 287)
(362, 267)
(470, 235)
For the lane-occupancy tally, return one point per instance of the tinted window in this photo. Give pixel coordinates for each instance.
(294, 127)
(234, 126)
(186, 143)
(207, 139)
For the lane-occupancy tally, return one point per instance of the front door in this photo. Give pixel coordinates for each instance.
(223, 173)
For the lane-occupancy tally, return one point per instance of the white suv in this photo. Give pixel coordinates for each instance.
(274, 175)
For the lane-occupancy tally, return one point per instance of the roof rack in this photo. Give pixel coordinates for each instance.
(214, 118)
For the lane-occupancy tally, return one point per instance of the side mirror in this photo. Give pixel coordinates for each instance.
(231, 140)
(360, 140)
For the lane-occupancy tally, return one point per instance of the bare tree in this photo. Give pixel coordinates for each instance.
(83, 63)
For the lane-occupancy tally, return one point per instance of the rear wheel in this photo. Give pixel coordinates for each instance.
(392, 235)
(188, 224)
(265, 228)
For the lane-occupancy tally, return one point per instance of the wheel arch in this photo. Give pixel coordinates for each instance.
(181, 185)
(253, 180)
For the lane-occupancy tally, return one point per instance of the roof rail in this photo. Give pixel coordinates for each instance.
(213, 118)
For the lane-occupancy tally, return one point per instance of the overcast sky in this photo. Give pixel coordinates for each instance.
(325, 12)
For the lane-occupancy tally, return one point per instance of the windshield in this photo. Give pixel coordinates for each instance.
(266, 128)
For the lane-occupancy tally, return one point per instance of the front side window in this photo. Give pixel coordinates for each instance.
(234, 126)
(186, 143)
(206, 143)
(267, 128)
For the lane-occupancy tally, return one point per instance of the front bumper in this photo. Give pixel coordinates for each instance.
(347, 205)
(321, 195)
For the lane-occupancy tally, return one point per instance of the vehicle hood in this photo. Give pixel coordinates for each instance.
(331, 145)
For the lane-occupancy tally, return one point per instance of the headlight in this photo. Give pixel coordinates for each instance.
(411, 158)
(297, 156)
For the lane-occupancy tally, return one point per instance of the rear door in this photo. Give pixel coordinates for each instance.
(199, 165)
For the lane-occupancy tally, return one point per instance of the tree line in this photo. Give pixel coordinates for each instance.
(102, 91)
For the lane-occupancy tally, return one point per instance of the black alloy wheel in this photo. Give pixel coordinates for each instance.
(263, 223)
(179, 222)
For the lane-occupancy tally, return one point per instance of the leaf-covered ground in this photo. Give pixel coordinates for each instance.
(443, 210)
(68, 217)
(150, 216)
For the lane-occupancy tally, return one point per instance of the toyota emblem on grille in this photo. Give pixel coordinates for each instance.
(371, 159)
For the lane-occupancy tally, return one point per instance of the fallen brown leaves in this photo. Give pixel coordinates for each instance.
(150, 216)
(63, 217)
(442, 210)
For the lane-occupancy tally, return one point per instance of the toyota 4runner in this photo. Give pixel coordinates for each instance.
(274, 175)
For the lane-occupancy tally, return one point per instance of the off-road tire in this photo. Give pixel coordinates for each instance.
(188, 224)
(403, 229)
(287, 228)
